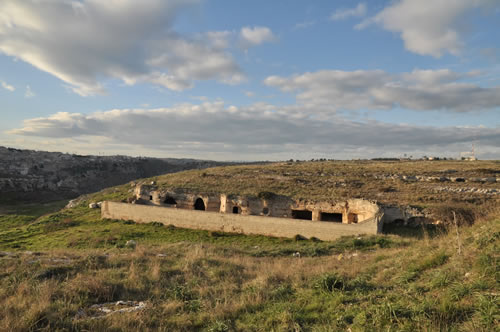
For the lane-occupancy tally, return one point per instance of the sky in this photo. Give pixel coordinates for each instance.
(251, 79)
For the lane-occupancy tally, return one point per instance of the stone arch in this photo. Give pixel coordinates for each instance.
(199, 204)
(236, 209)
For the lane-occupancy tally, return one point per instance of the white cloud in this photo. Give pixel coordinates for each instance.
(7, 86)
(29, 93)
(127, 40)
(253, 36)
(344, 13)
(251, 132)
(428, 27)
(376, 89)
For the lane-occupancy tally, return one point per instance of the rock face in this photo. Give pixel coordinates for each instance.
(42, 176)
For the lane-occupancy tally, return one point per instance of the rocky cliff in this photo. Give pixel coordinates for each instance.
(41, 176)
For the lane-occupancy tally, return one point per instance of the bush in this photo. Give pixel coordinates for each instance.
(330, 282)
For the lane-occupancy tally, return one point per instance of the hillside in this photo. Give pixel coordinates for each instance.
(43, 176)
(206, 281)
(63, 268)
(435, 187)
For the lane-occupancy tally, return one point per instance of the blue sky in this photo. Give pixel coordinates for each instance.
(247, 80)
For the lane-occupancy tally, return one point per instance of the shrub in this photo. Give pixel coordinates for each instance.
(330, 282)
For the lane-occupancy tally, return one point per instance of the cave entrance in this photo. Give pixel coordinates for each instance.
(236, 210)
(170, 200)
(302, 214)
(333, 217)
(199, 204)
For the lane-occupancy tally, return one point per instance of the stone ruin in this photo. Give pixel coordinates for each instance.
(350, 211)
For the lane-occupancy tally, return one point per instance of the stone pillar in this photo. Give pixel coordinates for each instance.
(345, 214)
(316, 215)
(223, 203)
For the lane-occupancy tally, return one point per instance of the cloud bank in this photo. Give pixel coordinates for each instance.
(419, 90)
(84, 43)
(263, 129)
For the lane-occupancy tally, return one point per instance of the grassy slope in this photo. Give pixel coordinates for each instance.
(218, 283)
(333, 180)
(213, 281)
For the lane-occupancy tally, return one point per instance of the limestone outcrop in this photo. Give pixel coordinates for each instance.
(39, 176)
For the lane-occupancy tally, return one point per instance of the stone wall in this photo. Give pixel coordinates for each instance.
(246, 224)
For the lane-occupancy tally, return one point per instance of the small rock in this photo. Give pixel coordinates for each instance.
(131, 244)
(71, 204)
(296, 254)
(99, 204)
(93, 206)
(161, 255)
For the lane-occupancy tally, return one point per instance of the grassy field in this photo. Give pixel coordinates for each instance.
(57, 265)
(195, 280)
(331, 180)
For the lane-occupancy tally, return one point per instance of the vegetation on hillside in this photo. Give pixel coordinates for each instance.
(195, 280)
(58, 266)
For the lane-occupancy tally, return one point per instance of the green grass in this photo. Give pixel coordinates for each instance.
(82, 228)
(55, 264)
(195, 287)
(210, 281)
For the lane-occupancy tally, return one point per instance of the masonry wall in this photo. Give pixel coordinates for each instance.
(214, 221)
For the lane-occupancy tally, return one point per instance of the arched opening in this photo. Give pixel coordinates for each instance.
(199, 204)
(150, 197)
(265, 211)
(236, 210)
(170, 200)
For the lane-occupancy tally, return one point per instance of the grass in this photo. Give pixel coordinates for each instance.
(211, 281)
(82, 228)
(56, 264)
(214, 286)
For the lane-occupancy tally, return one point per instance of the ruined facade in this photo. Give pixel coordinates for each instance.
(351, 211)
(267, 214)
